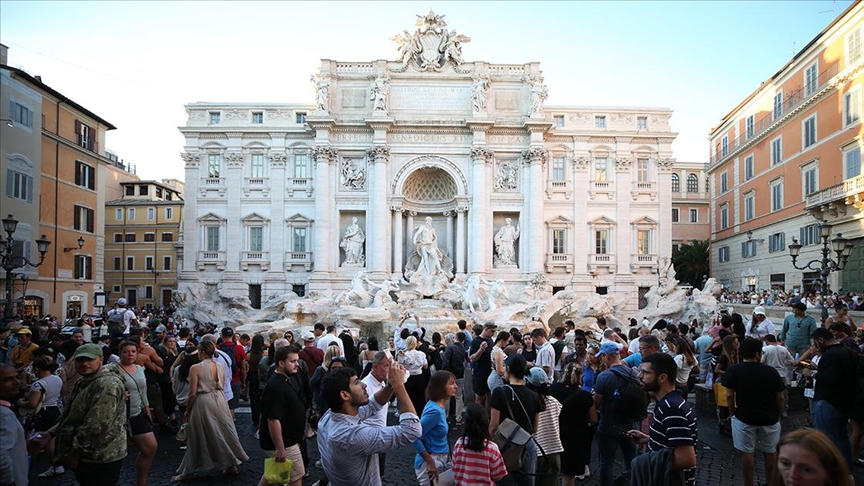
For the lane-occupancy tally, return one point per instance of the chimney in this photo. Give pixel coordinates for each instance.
(4, 55)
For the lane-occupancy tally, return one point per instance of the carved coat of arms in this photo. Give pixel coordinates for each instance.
(431, 46)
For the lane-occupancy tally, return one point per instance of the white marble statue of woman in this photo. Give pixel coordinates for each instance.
(539, 93)
(380, 89)
(322, 94)
(426, 245)
(478, 94)
(352, 243)
(505, 243)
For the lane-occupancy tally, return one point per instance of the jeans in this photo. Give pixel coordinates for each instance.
(832, 422)
(529, 465)
(459, 399)
(608, 449)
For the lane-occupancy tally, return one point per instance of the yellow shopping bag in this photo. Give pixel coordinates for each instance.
(277, 472)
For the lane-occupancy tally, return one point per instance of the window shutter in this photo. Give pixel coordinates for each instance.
(91, 179)
(91, 216)
(29, 189)
(77, 211)
(78, 267)
(89, 261)
(10, 183)
(78, 130)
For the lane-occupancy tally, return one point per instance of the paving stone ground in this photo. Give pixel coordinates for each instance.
(719, 464)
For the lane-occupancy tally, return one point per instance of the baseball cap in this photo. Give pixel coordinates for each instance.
(227, 331)
(89, 351)
(308, 336)
(759, 310)
(24, 330)
(121, 301)
(608, 348)
(536, 376)
(160, 328)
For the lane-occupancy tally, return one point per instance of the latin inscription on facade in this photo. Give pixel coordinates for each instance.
(507, 139)
(430, 138)
(422, 98)
(354, 98)
(350, 137)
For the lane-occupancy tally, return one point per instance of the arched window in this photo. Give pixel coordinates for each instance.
(692, 183)
(676, 183)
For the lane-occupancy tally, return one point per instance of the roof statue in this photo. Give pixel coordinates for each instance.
(431, 46)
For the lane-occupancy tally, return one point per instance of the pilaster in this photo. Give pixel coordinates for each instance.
(378, 220)
(480, 261)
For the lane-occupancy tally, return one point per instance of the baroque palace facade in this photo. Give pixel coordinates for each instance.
(300, 197)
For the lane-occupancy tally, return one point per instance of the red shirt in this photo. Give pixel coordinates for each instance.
(239, 358)
(313, 358)
(478, 468)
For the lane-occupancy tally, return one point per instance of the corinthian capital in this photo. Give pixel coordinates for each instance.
(324, 153)
(482, 154)
(535, 155)
(192, 160)
(378, 153)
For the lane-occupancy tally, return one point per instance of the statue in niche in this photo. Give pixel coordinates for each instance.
(539, 93)
(505, 180)
(353, 174)
(426, 245)
(352, 244)
(322, 92)
(380, 90)
(505, 244)
(479, 89)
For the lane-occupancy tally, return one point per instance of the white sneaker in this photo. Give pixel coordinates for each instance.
(52, 471)
(584, 475)
(257, 434)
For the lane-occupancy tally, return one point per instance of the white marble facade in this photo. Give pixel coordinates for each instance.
(272, 188)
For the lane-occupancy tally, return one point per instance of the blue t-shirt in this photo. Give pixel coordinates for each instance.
(588, 377)
(674, 425)
(634, 360)
(606, 384)
(434, 439)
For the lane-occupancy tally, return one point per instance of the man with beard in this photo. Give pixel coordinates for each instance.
(91, 433)
(674, 424)
(284, 412)
(349, 447)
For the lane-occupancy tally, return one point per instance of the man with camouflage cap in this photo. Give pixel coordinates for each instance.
(91, 433)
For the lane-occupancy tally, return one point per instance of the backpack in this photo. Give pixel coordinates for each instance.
(229, 350)
(116, 323)
(629, 400)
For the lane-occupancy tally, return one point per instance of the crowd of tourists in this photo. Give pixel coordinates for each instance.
(779, 297)
(544, 400)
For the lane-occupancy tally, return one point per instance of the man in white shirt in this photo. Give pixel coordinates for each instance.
(329, 338)
(779, 358)
(545, 354)
(375, 381)
(129, 317)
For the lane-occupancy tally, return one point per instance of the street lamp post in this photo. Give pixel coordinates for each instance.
(825, 265)
(10, 261)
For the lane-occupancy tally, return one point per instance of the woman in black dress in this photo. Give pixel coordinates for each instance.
(576, 421)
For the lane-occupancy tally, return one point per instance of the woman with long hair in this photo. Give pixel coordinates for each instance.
(211, 438)
(496, 376)
(168, 351)
(528, 349)
(46, 389)
(180, 374)
(331, 356)
(476, 459)
(256, 352)
(577, 415)
(367, 355)
(685, 359)
(140, 420)
(807, 457)
(728, 357)
(414, 362)
(432, 447)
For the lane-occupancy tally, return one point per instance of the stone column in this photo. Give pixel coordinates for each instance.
(234, 237)
(377, 219)
(449, 242)
(459, 264)
(191, 231)
(409, 235)
(480, 217)
(665, 167)
(323, 156)
(623, 246)
(279, 240)
(398, 241)
(535, 159)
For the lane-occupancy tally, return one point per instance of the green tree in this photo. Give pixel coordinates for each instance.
(691, 262)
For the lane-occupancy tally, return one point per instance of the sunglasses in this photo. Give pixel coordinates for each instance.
(338, 360)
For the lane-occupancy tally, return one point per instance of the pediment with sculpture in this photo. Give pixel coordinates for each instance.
(431, 46)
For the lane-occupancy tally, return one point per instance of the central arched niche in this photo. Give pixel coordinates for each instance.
(429, 187)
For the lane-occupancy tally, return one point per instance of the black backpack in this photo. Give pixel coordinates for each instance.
(229, 350)
(629, 400)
